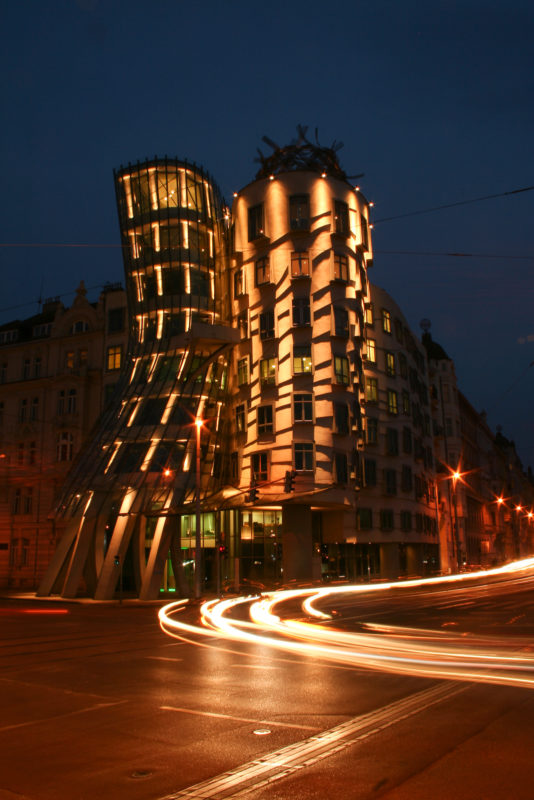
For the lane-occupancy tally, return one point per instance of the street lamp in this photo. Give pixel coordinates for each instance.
(455, 478)
(198, 556)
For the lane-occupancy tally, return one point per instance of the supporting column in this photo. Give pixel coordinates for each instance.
(297, 543)
(389, 561)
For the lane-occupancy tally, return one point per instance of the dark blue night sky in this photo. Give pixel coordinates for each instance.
(433, 100)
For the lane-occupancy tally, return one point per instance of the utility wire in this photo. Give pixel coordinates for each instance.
(452, 205)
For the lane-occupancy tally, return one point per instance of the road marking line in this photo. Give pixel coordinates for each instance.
(238, 719)
(45, 720)
(254, 666)
(283, 762)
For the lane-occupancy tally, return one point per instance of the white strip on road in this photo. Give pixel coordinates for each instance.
(274, 766)
(238, 719)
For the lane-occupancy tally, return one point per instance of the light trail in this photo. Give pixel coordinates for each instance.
(407, 650)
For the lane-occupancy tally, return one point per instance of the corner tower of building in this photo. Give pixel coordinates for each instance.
(301, 249)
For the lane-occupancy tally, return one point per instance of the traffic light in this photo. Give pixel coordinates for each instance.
(289, 481)
(252, 494)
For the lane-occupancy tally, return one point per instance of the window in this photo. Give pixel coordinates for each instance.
(116, 320)
(234, 465)
(370, 351)
(3, 372)
(365, 519)
(341, 267)
(371, 390)
(386, 519)
(364, 232)
(301, 311)
(267, 325)
(341, 418)
(262, 271)
(240, 418)
(368, 314)
(386, 321)
(341, 322)
(265, 420)
(20, 453)
(299, 212)
(8, 336)
(369, 467)
(32, 452)
(302, 361)
(268, 371)
(37, 367)
(405, 403)
(80, 326)
(71, 401)
(300, 265)
(406, 521)
(255, 222)
(399, 334)
(372, 430)
(390, 481)
(303, 456)
(113, 358)
(26, 366)
(341, 370)
(403, 365)
(260, 467)
(407, 440)
(242, 371)
(239, 283)
(27, 501)
(64, 446)
(23, 410)
(392, 442)
(34, 409)
(341, 217)
(16, 503)
(303, 407)
(390, 364)
(340, 464)
(242, 324)
(406, 478)
(42, 330)
(393, 406)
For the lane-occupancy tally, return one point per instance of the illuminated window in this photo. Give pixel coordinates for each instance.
(255, 222)
(268, 371)
(263, 271)
(113, 357)
(390, 364)
(240, 418)
(303, 456)
(393, 405)
(341, 217)
(242, 371)
(341, 370)
(260, 466)
(370, 354)
(267, 325)
(64, 446)
(299, 212)
(300, 265)
(69, 359)
(302, 360)
(371, 390)
(303, 407)
(369, 318)
(265, 420)
(301, 311)
(341, 322)
(341, 267)
(386, 321)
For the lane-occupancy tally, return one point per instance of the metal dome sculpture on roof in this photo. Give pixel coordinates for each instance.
(302, 154)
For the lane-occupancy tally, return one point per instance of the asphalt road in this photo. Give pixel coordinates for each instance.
(97, 702)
